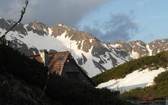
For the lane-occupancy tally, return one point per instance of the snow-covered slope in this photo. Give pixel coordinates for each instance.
(138, 78)
(89, 52)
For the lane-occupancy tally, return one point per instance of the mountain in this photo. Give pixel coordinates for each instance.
(137, 49)
(90, 53)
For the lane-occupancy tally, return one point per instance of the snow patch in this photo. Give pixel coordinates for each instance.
(91, 40)
(60, 25)
(116, 45)
(134, 55)
(149, 50)
(50, 31)
(133, 80)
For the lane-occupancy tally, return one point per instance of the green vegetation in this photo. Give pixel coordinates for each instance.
(153, 62)
(22, 82)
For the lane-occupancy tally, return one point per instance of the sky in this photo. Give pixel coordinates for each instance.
(107, 20)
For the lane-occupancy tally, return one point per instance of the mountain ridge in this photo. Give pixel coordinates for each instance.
(138, 48)
(90, 53)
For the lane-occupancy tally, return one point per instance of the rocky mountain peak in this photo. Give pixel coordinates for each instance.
(58, 29)
(119, 42)
(122, 45)
(37, 27)
(84, 40)
(158, 46)
(6, 24)
(138, 49)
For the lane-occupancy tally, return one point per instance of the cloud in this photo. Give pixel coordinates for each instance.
(10, 9)
(68, 12)
(119, 27)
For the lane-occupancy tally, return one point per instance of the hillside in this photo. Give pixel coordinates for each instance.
(136, 73)
(159, 60)
(26, 82)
